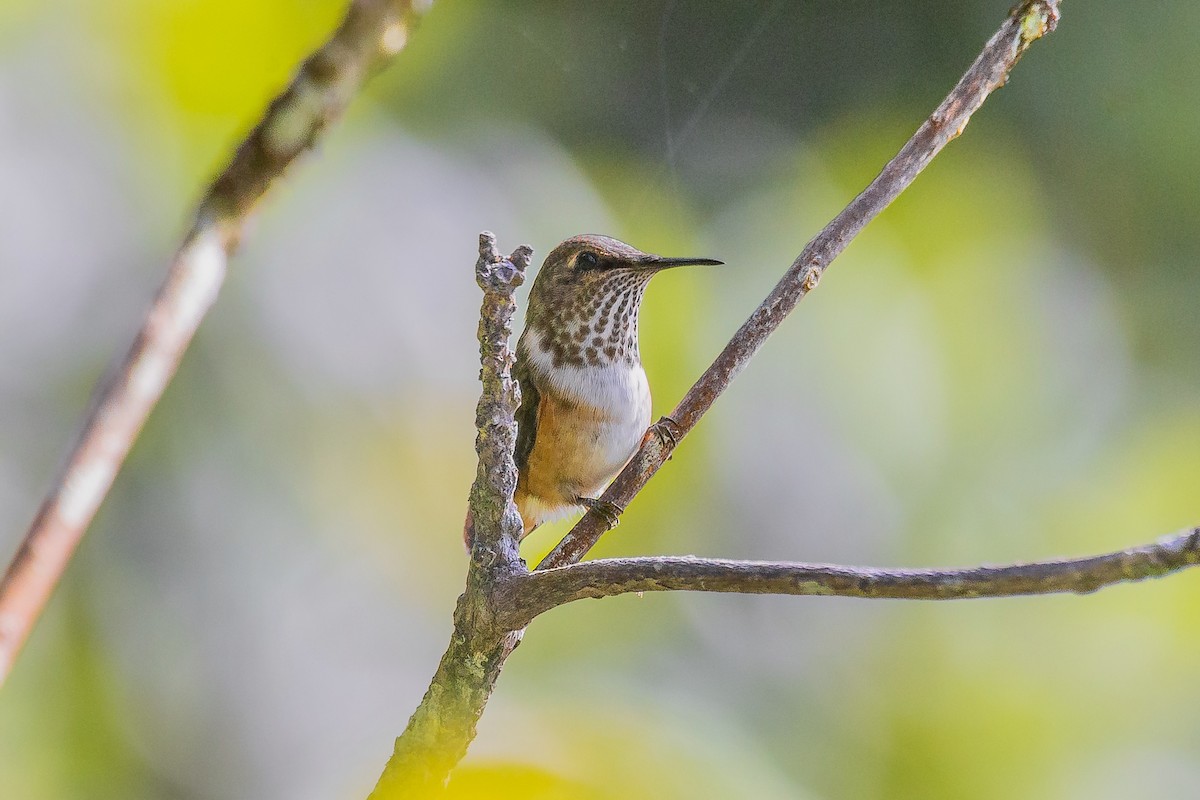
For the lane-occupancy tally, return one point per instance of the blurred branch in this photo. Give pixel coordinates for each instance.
(372, 32)
(546, 589)
(443, 725)
(1026, 23)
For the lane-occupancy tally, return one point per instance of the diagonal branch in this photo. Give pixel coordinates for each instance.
(546, 589)
(1026, 23)
(372, 32)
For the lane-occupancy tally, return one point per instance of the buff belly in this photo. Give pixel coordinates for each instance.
(581, 443)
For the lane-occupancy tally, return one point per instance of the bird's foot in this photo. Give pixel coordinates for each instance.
(610, 512)
(668, 433)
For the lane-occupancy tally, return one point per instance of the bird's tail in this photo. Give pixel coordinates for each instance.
(469, 531)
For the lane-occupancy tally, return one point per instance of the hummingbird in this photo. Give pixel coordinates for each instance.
(585, 400)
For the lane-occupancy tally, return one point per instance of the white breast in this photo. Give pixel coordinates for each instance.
(619, 391)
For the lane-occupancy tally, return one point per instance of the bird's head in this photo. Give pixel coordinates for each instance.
(590, 270)
(588, 292)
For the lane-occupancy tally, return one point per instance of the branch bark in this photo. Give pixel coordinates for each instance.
(370, 34)
(546, 589)
(1027, 22)
(443, 725)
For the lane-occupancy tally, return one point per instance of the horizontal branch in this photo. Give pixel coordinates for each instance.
(545, 589)
(370, 34)
(1027, 22)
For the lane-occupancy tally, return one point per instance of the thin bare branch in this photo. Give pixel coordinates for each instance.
(443, 725)
(372, 32)
(546, 589)
(1026, 23)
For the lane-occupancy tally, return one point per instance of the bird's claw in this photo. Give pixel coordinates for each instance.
(609, 511)
(666, 431)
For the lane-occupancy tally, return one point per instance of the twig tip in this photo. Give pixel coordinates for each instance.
(487, 247)
(1037, 18)
(521, 257)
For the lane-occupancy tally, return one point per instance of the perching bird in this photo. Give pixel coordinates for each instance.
(585, 402)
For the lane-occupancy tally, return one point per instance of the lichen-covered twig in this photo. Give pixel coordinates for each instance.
(546, 589)
(372, 32)
(496, 521)
(443, 725)
(1027, 22)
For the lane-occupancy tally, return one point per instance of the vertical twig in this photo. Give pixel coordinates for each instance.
(497, 522)
(442, 727)
(370, 34)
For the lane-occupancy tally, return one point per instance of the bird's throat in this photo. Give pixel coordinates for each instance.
(598, 329)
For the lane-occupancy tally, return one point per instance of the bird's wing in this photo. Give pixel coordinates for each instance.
(527, 412)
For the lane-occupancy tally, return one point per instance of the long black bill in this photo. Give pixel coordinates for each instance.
(659, 262)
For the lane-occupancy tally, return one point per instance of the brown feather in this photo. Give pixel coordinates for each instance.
(526, 413)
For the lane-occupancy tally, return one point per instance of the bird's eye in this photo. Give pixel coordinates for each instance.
(587, 260)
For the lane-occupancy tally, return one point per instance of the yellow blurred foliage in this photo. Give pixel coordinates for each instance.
(222, 58)
(484, 781)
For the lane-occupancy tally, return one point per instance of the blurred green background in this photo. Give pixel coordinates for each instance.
(1002, 367)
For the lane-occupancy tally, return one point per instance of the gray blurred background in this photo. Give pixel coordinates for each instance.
(1002, 367)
